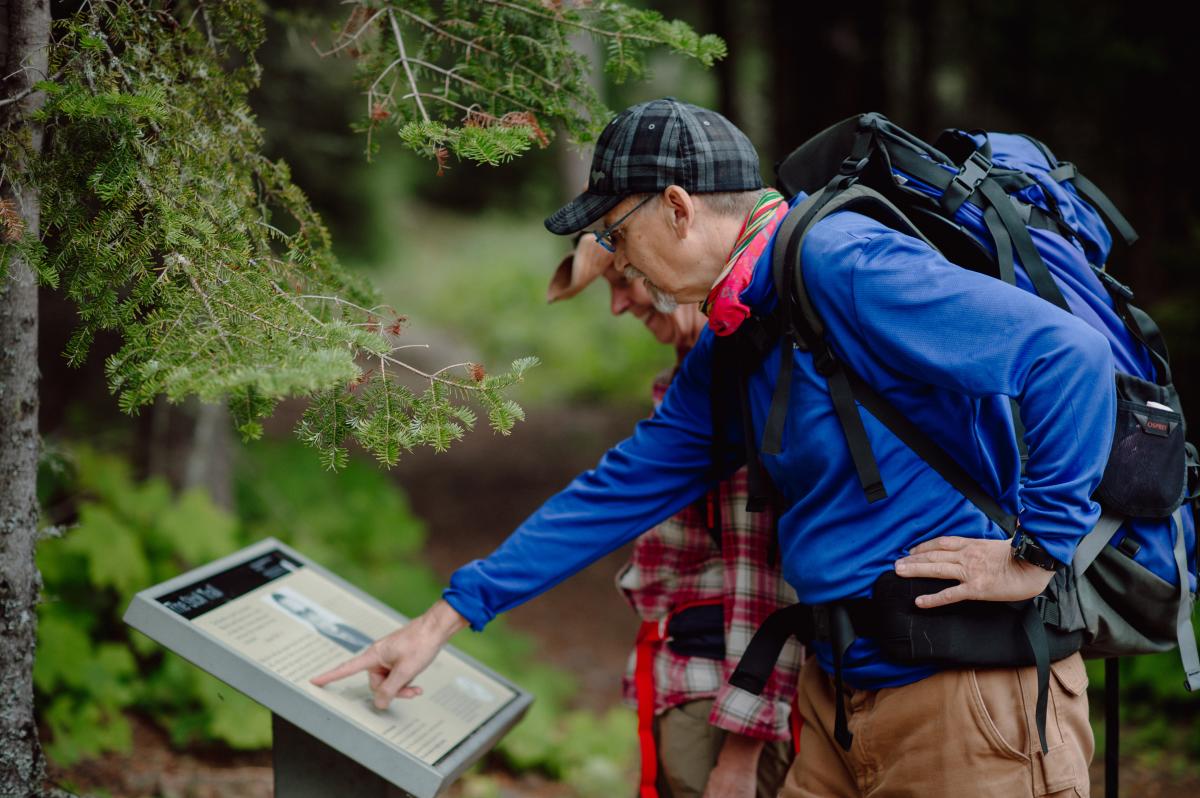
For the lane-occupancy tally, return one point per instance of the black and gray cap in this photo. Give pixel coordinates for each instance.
(656, 144)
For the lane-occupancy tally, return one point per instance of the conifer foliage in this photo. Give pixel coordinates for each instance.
(481, 79)
(163, 221)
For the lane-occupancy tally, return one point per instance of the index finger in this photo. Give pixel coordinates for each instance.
(365, 660)
(943, 543)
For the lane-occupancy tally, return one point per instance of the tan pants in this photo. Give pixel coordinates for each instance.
(956, 733)
(687, 752)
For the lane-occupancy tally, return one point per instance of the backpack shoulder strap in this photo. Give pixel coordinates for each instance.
(846, 388)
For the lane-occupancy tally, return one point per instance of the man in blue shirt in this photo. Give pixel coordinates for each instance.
(678, 192)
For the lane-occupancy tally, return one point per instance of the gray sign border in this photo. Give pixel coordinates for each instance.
(178, 634)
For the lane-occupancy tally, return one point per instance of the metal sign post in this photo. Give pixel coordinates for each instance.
(307, 768)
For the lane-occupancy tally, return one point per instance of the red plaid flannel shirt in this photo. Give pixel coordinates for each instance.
(677, 563)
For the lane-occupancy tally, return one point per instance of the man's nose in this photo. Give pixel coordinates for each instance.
(620, 299)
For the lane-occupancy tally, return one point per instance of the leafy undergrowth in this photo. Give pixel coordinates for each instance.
(92, 670)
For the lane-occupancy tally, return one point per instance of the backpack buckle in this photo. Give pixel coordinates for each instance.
(974, 171)
(824, 361)
(1113, 284)
(852, 166)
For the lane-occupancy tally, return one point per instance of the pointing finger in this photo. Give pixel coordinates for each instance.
(365, 660)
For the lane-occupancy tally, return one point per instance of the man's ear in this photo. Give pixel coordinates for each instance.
(681, 209)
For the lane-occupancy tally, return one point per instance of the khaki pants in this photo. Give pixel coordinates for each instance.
(687, 752)
(956, 733)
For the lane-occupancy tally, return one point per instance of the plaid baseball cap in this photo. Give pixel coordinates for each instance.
(650, 146)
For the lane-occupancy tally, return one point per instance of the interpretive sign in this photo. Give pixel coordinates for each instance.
(266, 620)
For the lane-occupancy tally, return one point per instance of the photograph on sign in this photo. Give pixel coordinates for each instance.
(296, 623)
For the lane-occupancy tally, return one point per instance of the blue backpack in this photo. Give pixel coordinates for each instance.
(981, 200)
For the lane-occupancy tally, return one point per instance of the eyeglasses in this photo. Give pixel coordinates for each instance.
(605, 237)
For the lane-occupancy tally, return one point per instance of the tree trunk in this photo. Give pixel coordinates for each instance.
(24, 40)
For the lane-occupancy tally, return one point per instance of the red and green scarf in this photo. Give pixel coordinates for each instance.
(724, 307)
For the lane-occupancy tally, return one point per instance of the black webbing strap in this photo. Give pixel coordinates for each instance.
(911, 162)
(772, 442)
(734, 357)
(1022, 243)
(755, 338)
(758, 661)
(1008, 274)
(758, 494)
(1092, 193)
(1035, 635)
(841, 636)
(928, 450)
(842, 395)
(841, 194)
(1004, 252)
(781, 269)
(1138, 322)
(833, 623)
(1150, 335)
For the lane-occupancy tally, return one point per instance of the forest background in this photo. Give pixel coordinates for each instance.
(464, 256)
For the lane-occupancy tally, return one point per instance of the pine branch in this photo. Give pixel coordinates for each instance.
(484, 80)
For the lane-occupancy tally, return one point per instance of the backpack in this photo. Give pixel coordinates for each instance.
(1111, 598)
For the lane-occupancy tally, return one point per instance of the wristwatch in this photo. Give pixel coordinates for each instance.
(1027, 549)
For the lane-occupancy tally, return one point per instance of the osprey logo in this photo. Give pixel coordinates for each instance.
(597, 175)
(1155, 426)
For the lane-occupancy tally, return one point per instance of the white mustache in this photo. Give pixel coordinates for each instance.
(663, 302)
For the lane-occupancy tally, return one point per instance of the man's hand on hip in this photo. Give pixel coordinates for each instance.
(985, 569)
(393, 661)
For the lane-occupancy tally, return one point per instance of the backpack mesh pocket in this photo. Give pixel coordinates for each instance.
(1146, 472)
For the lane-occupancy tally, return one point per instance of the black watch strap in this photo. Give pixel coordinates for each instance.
(1027, 549)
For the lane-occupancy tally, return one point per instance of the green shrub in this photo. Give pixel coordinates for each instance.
(90, 668)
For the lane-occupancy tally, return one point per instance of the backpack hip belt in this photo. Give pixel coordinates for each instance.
(969, 634)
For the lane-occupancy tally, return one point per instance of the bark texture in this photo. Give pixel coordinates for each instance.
(24, 40)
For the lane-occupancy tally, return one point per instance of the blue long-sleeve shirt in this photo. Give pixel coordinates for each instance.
(945, 345)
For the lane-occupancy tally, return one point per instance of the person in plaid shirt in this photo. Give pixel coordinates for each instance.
(696, 728)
